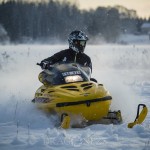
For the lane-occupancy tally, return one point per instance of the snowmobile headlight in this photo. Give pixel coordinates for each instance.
(75, 78)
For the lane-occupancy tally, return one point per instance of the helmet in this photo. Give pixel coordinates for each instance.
(77, 41)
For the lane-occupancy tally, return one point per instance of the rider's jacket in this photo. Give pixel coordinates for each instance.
(69, 55)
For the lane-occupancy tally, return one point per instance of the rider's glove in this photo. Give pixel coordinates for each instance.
(45, 65)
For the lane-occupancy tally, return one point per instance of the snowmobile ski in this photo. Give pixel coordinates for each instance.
(140, 116)
(65, 121)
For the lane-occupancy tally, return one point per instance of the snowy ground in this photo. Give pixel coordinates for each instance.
(124, 70)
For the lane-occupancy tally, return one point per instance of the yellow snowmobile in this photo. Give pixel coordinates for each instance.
(69, 92)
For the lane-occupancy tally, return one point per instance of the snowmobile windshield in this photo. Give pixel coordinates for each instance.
(67, 73)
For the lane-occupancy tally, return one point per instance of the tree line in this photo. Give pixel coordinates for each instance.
(53, 20)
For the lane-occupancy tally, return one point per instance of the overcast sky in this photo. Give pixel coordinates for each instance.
(142, 7)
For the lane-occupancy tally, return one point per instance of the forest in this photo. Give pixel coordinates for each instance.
(53, 20)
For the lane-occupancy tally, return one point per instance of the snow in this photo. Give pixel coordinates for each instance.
(135, 39)
(123, 69)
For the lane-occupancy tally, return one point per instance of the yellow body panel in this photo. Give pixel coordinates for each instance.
(76, 93)
(93, 112)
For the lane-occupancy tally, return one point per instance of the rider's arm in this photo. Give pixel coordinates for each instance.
(88, 62)
(55, 58)
(90, 65)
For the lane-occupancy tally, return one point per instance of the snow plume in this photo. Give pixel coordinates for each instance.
(124, 98)
(16, 94)
(19, 81)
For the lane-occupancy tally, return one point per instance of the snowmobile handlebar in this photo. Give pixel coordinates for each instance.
(44, 65)
(39, 64)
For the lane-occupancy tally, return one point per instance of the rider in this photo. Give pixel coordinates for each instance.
(75, 53)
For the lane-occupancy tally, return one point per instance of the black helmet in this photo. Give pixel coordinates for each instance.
(77, 41)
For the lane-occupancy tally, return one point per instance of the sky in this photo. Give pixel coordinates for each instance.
(142, 7)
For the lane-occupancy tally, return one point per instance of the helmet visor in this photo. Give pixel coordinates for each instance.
(80, 45)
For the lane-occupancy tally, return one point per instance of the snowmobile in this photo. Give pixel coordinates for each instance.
(78, 100)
